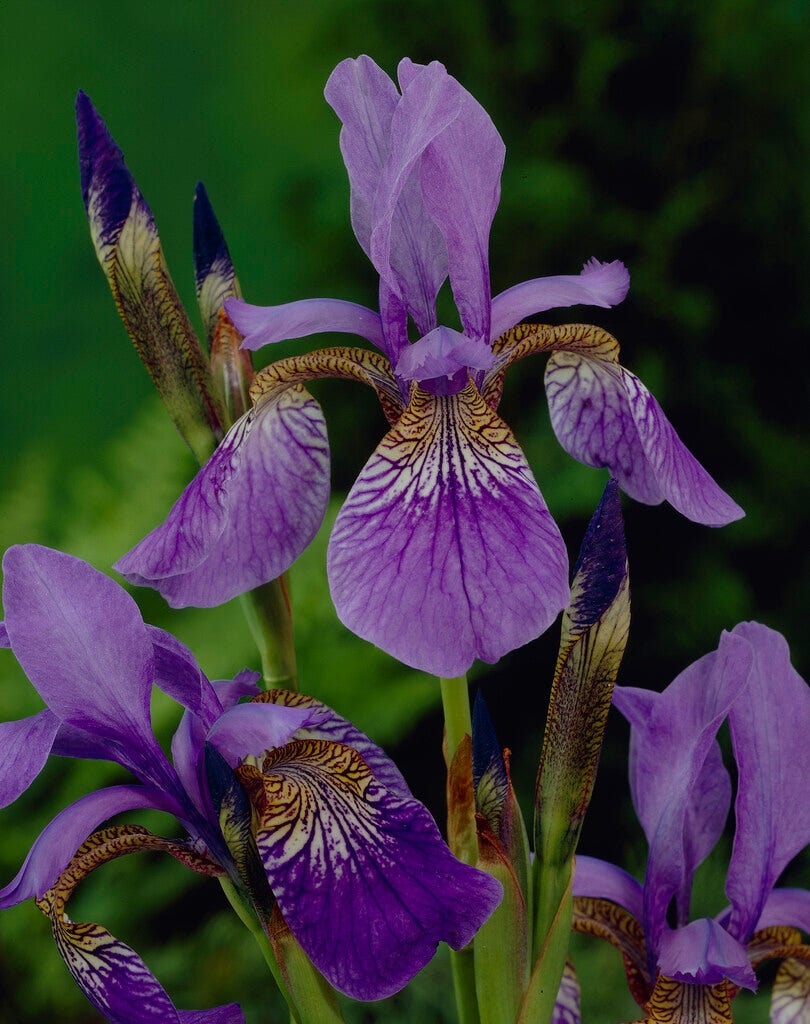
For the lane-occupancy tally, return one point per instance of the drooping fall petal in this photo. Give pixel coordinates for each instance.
(249, 512)
(444, 550)
(604, 416)
(361, 875)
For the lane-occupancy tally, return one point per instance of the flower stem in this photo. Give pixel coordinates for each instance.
(457, 720)
(457, 725)
(269, 614)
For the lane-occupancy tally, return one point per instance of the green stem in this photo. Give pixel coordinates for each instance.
(269, 615)
(248, 919)
(457, 720)
(457, 725)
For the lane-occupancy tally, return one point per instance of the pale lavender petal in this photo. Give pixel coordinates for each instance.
(263, 325)
(59, 840)
(597, 284)
(442, 353)
(178, 674)
(248, 514)
(670, 745)
(770, 731)
(604, 416)
(243, 684)
(460, 176)
(603, 881)
(24, 749)
(362, 877)
(703, 953)
(444, 550)
(81, 641)
(786, 907)
(406, 247)
(249, 730)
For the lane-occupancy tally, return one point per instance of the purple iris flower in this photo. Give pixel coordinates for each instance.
(355, 864)
(682, 794)
(444, 550)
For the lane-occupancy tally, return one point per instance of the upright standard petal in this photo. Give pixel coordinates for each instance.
(604, 416)
(249, 512)
(668, 752)
(770, 733)
(444, 550)
(597, 284)
(362, 876)
(82, 642)
(460, 174)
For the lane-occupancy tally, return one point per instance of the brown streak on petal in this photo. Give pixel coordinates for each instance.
(676, 1002)
(609, 921)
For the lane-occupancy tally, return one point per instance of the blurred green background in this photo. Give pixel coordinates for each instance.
(672, 135)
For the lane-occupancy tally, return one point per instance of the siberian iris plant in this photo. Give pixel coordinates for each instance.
(444, 550)
(320, 833)
(679, 969)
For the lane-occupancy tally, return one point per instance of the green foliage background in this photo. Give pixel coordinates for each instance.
(672, 135)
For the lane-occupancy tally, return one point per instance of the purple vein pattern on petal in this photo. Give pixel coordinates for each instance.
(407, 249)
(362, 877)
(81, 641)
(24, 749)
(230, 1014)
(59, 840)
(601, 880)
(770, 731)
(263, 325)
(703, 953)
(461, 184)
(597, 284)
(444, 550)
(248, 513)
(670, 745)
(604, 416)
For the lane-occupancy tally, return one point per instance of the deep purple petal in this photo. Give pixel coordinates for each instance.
(703, 953)
(442, 353)
(786, 907)
(597, 284)
(119, 984)
(406, 247)
(363, 878)
(249, 512)
(24, 749)
(770, 733)
(444, 550)
(101, 163)
(604, 416)
(248, 730)
(460, 176)
(59, 840)
(601, 880)
(81, 641)
(263, 325)
(4, 640)
(670, 743)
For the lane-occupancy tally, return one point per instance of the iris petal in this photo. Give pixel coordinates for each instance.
(601, 880)
(81, 641)
(597, 284)
(703, 953)
(249, 512)
(361, 875)
(444, 550)
(769, 733)
(24, 749)
(604, 416)
(263, 325)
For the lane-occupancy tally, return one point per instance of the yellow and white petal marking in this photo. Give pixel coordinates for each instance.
(360, 364)
(110, 974)
(361, 875)
(677, 1002)
(444, 550)
(609, 921)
